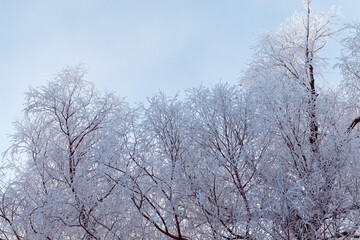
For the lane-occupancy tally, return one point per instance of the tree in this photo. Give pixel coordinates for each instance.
(304, 175)
(224, 130)
(160, 157)
(66, 124)
(349, 66)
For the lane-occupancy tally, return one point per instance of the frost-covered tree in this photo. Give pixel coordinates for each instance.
(161, 158)
(224, 132)
(350, 68)
(308, 165)
(62, 184)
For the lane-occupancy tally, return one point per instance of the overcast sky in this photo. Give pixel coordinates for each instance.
(132, 47)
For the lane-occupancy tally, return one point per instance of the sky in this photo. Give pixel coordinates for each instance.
(135, 47)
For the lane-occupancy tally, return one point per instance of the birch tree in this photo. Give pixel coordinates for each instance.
(160, 158)
(65, 125)
(303, 180)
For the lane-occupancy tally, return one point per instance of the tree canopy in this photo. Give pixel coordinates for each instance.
(273, 157)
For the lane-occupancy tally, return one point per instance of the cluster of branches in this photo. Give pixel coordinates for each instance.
(275, 158)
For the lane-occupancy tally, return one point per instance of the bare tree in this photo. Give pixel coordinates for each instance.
(65, 124)
(160, 156)
(305, 175)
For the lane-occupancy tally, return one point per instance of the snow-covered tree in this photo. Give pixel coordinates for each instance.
(224, 132)
(161, 158)
(308, 165)
(62, 185)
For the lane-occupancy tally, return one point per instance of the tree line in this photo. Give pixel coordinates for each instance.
(273, 157)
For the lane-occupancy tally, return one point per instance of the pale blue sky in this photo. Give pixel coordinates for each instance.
(134, 47)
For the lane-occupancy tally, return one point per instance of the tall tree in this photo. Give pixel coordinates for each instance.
(285, 69)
